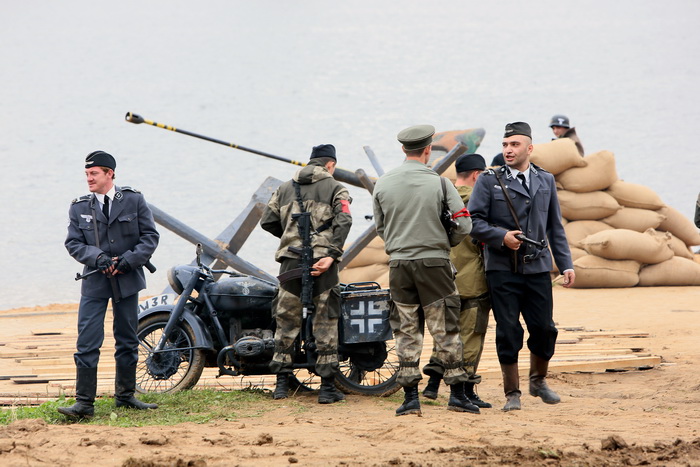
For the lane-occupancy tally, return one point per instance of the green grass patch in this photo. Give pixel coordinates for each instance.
(194, 406)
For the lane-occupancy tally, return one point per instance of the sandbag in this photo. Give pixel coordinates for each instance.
(363, 274)
(679, 225)
(578, 230)
(598, 174)
(371, 254)
(679, 248)
(576, 253)
(675, 271)
(639, 220)
(557, 156)
(594, 272)
(586, 206)
(633, 195)
(628, 244)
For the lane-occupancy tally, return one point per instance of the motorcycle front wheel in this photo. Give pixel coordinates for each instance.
(177, 367)
(354, 378)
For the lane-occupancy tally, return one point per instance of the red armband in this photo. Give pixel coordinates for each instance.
(461, 213)
(345, 206)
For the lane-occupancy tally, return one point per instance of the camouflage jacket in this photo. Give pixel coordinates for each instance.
(329, 204)
(467, 258)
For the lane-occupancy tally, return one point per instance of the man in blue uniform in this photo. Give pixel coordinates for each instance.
(111, 230)
(517, 272)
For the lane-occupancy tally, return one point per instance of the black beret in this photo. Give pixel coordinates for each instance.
(469, 162)
(416, 137)
(100, 159)
(518, 128)
(323, 150)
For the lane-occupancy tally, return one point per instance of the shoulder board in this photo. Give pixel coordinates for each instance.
(489, 172)
(538, 168)
(81, 199)
(128, 188)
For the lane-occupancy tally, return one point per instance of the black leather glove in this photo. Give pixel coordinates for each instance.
(103, 262)
(123, 265)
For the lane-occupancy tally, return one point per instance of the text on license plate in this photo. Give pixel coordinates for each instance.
(158, 300)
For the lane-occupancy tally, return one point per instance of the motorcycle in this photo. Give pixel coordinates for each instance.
(229, 324)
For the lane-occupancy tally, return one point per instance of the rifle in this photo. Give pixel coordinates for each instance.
(306, 257)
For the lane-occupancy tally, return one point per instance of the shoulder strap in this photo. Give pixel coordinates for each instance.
(508, 201)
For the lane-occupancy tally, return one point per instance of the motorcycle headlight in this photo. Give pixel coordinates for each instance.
(174, 281)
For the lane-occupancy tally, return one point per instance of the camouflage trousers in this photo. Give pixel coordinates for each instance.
(473, 323)
(288, 315)
(424, 294)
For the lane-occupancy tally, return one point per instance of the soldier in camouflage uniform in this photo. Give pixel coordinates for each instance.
(407, 205)
(329, 204)
(473, 293)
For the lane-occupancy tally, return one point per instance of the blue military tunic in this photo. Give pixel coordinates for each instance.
(539, 215)
(130, 232)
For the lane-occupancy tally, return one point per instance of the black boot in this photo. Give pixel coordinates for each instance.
(85, 390)
(411, 404)
(511, 386)
(124, 388)
(329, 393)
(281, 386)
(433, 386)
(474, 397)
(458, 401)
(538, 384)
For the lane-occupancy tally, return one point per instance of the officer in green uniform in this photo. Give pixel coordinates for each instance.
(407, 205)
(473, 293)
(329, 204)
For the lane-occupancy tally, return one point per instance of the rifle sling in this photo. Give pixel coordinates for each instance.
(512, 213)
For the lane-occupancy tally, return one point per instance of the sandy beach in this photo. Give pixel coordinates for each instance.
(636, 417)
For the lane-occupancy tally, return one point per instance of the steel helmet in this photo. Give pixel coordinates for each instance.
(560, 120)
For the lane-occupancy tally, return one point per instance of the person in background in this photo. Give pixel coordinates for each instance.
(562, 129)
(509, 202)
(473, 293)
(697, 212)
(408, 202)
(111, 230)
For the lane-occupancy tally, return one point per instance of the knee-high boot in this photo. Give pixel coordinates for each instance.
(511, 386)
(124, 388)
(538, 383)
(85, 391)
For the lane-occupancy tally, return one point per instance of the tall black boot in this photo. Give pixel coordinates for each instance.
(411, 404)
(433, 386)
(511, 386)
(329, 393)
(474, 397)
(458, 401)
(124, 388)
(281, 386)
(85, 391)
(538, 384)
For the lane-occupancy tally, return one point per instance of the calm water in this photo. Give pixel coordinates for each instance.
(284, 76)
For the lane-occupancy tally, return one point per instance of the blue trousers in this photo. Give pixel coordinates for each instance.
(91, 333)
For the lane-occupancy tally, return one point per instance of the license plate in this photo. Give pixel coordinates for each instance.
(158, 300)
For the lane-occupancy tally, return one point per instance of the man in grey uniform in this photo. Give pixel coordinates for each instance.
(111, 230)
(407, 205)
(518, 272)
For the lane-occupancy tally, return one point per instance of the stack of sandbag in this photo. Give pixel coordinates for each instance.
(371, 264)
(621, 234)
